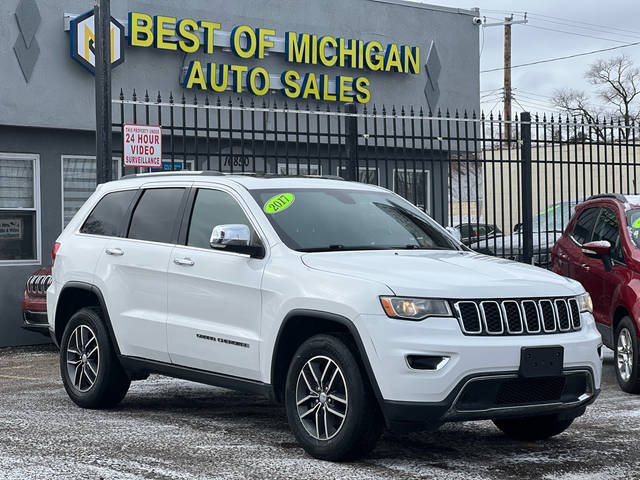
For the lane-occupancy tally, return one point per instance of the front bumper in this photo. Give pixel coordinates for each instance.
(505, 395)
(389, 343)
(35, 322)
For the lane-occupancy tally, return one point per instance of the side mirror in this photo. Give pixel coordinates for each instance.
(517, 227)
(454, 232)
(235, 238)
(599, 249)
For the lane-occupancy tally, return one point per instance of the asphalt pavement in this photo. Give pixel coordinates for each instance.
(173, 429)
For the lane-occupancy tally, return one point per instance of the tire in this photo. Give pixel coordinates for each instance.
(533, 428)
(91, 373)
(627, 356)
(353, 419)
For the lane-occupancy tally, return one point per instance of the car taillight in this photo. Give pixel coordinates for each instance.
(54, 251)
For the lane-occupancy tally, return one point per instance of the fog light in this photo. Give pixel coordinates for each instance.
(426, 362)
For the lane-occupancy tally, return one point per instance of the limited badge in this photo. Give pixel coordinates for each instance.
(279, 202)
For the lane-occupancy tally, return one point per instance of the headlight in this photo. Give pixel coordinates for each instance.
(584, 303)
(415, 308)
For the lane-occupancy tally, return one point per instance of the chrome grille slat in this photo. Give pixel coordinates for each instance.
(518, 316)
(38, 284)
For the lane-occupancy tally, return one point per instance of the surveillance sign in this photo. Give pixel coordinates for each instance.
(83, 41)
(142, 146)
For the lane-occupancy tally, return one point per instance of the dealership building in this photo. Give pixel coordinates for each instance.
(367, 52)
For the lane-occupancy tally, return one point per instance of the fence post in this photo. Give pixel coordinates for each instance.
(526, 188)
(351, 143)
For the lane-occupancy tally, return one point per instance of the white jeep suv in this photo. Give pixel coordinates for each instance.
(341, 299)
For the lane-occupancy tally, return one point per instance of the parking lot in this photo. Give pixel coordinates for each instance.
(172, 429)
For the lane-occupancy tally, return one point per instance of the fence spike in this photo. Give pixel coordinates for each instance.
(411, 112)
(421, 111)
(364, 109)
(252, 104)
(134, 96)
(206, 100)
(456, 115)
(374, 111)
(241, 103)
(184, 100)
(393, 110)
(146, 95)
(447, 114)
(473, 115)
(218, 102)
(195, 99)
(170, 97)
(159, 97)
(439, 112)
(121, 94)
(264, 103)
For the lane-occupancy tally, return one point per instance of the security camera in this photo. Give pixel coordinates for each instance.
(477, 21)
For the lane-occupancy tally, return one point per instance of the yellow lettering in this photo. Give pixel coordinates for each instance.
(258, 81)
(342, 88)
(297, 47)
(250, 36)
(411, 59)
(363, 95)
(291, 88)
(89, 37)
(219, 81)
(310, 86)
(263, 41)
(238, 70)
(324, 88)
(162, 31)
(347, 48)
(392, 59)
(327, 61)
(135, 30)
(195, 76)
(208, 28)
(372, 56)
(186, 29)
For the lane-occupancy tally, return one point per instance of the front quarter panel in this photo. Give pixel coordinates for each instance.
(290, 285)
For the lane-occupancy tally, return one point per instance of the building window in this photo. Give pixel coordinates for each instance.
(79, 182)
(19, 209)
(295, 169)
(415, 186)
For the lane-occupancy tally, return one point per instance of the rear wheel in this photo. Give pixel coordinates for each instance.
(626, 361)
(91, 373)
(330, 406)
(533, 428)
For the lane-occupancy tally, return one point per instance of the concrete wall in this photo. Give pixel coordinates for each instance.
(60, 91)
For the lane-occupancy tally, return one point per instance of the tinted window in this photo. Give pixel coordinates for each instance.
(633, 225)
(583, 228)
(340, 219)
(211, 208)
(107, 216)
(154, 218)
(607, 228)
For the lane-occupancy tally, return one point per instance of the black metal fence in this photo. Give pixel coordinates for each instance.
(508, 188)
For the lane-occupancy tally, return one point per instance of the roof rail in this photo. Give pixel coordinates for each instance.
(210, 173)
(617, 196)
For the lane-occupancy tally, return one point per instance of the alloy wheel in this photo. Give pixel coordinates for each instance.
(83, 358)
(321, 398)
(624, 355)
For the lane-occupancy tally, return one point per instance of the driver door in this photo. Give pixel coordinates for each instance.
(214, 299)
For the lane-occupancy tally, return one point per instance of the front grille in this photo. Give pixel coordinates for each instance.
(37, 285)
(517, 317)
(520, 391)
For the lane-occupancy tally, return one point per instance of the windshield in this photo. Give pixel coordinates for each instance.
(312, 220)
(633, 225)
(554, 218)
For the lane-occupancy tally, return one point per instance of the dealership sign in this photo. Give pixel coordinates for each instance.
(142, 146)
(190, 36)
(83, 41)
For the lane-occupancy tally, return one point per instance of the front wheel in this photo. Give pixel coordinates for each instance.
(626, 361)
(330, 406)
(533, 428)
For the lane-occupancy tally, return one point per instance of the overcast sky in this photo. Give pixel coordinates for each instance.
(614, 22)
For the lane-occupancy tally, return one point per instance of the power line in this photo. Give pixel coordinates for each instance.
(634, 35)
(562, 58)
(574, 33)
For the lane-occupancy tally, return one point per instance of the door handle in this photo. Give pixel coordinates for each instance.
(187, 262)
(586, 267)
(114, 251)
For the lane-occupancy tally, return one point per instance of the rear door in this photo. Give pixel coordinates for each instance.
(133, 271)
(214, 295)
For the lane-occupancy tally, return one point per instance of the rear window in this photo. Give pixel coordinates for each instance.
(107, 218)
(154, 218)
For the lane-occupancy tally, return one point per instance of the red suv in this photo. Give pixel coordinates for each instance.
(601, 249)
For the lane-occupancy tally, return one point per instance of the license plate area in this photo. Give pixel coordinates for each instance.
(541, 361)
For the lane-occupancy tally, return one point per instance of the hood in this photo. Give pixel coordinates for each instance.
(513, 243)
(445, 273)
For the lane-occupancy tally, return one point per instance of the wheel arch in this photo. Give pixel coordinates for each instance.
(301, 324)
(74, 296)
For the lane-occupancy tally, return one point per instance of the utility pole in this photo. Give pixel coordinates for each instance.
(508, 21)
(102, 27)
(507, 77)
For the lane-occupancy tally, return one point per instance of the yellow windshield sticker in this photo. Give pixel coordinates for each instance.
(636, 224)
(279, 202)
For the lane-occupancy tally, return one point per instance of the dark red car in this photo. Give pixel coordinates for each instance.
(601, 249)
(34, 303)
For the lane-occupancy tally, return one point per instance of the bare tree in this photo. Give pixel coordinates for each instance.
(618, 82)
